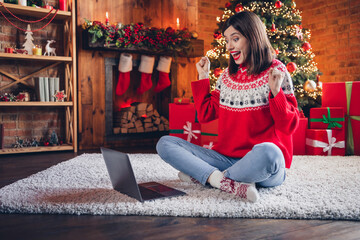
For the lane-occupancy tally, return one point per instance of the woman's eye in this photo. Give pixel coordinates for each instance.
(236, 39)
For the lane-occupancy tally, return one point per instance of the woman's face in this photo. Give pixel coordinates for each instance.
(236, 44)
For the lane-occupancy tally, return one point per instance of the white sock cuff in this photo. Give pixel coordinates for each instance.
(215, 178)
(125, 62)
(164, 64)
(146, 64)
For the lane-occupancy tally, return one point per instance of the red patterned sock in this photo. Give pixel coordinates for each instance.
(243, 190)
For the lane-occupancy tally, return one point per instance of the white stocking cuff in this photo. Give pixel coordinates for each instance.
(164, 64)
(146, 64)
(125, 62)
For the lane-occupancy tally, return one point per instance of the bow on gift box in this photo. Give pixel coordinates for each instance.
(210, 146)
(190, 133)
(326, 146)
(333, 122)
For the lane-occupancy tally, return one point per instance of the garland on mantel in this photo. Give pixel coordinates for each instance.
(136, 35)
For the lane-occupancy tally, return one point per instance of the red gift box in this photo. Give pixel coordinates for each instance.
(327, 118)
(346, 95)
(325, 142)
(299, 137)
(183, 123)
(209, 134)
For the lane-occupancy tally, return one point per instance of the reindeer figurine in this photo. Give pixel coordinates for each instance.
(49, 50)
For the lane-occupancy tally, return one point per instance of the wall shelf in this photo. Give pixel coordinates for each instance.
(67, 63)
(35, 57)
(35, 104)
(34, 11)
(36, 149)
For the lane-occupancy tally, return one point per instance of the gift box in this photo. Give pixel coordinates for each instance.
(183, 122)
(327, 118)
(346, 95)
(325, 142)
(209, 134)
(299, 137)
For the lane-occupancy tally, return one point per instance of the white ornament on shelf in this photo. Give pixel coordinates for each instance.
(49, 50)
(29, 45)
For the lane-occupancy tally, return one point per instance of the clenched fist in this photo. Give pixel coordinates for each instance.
(203, 68)
(276, 77)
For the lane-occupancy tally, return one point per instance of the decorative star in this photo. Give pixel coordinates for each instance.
(59, 96)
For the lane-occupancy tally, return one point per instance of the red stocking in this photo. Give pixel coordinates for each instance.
(146, 69)
(164, 69)
(125, 67)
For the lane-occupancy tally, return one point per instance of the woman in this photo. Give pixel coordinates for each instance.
(257, 111)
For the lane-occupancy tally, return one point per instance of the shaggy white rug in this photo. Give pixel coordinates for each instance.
(315, 188)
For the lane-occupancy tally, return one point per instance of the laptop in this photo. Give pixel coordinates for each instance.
(123, 179)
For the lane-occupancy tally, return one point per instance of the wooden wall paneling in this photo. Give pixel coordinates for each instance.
(86, 136)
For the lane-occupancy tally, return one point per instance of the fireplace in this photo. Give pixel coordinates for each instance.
(133, 116)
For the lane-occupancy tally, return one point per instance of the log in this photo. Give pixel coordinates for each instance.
(117, 130)
(148, 125)
(138, 124)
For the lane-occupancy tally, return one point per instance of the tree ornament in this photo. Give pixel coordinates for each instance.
(299, 33)
(218, 72)
(273, 28)
(291, 67)
(228, 4)
(194, 35)
(239, 8)
(306, 46)
(310, 86)
(29, 45)
(293, 4)
(217, 35)
(277, 51)
(278, 4)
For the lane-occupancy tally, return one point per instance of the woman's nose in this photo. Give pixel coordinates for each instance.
(228, 46)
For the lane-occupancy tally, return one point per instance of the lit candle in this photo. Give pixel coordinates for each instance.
(177, 23)
(107, 18)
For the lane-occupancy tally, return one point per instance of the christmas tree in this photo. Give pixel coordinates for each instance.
(289, 40)
(29, 45)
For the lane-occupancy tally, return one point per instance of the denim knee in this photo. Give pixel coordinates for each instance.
(271, 155)
(162, 145)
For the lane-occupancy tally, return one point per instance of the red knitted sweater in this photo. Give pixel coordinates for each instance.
(247, 112)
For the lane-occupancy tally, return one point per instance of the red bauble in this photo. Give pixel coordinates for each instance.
(217, 35)
(227, 5)
(278, 4)
(291, 67)
(277, 51)
(306, 46)
(239, 8)
(217, 72)
(273, 28)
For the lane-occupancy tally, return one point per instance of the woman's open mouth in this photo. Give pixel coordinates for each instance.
(236, 55)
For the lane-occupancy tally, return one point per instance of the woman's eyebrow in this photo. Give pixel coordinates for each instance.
(233, 34)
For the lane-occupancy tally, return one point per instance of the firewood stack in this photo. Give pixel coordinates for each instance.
(139, 118)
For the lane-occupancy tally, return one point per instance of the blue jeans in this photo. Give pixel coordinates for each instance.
(263, 165)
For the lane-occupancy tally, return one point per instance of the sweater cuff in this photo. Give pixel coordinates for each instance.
(279, 102)
(201, 84)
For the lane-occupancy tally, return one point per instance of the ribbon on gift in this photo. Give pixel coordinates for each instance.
(333, 122)
(187, 129)
(327, 147)
(190, 133)
(350, 137)
(210, 146)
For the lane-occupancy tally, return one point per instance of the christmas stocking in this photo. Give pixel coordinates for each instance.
(125, 67)
(146, 69)
(164, 69)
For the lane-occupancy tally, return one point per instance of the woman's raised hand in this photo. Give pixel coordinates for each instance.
(203, 68)
(276, 77)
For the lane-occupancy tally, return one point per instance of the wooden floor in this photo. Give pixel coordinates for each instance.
(26, 226)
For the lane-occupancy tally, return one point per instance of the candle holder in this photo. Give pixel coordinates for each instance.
(37, 50)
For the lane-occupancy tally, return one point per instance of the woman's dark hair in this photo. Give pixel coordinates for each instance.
(261, 53)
